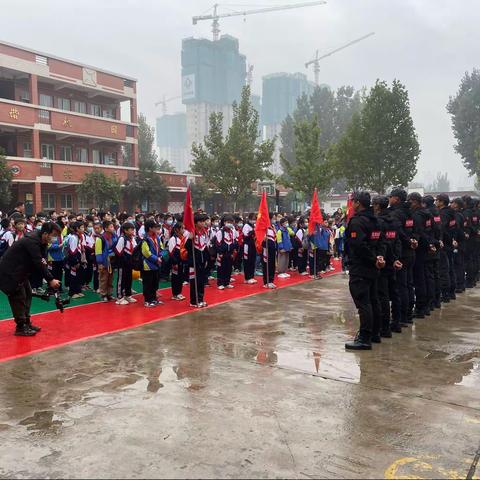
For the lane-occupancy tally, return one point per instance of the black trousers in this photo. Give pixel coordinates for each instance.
(459, 267)
(177, 279)
(406, 292)
(315, 261)
(268, 267)
(20, 301)
(56, 269)
(419, 279)
(249, 259)
(364, 294)
(77, 275)
(470, 263)
(430, 282)
(224, 269)
(389, 299)
(237, 263)
(150, 279)
(302, 259)
(197, 288)
(89, 270)
(124, 278)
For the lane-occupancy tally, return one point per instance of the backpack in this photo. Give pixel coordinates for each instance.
(137, 257)
(4, 243)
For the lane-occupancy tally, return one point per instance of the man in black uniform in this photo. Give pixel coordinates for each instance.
(459, 245)
(23, 258)
(449, 230)
(470, 242)
(425, 246)
(476, 226)
(401, 210)
(387, 285)
(365, 252)
(434, 225)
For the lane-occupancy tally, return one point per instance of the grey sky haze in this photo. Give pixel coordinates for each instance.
(427, 44)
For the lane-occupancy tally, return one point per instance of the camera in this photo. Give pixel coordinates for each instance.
(60, 300)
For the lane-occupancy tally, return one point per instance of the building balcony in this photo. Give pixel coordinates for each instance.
(68, 123)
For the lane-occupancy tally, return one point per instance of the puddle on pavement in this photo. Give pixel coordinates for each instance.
(472, 378)
(44, 422)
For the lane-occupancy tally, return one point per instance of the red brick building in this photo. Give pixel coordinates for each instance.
(59, 120)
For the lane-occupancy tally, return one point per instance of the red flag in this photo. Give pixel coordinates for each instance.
(263, 222)
(188, 213)
(350, 211)
(316, 217)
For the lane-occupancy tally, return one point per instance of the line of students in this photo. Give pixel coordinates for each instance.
(93, 247)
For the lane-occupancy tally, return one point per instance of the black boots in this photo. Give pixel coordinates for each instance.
(24, 331)
(359, 343)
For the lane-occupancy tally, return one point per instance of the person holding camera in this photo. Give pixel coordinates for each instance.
(24, 257)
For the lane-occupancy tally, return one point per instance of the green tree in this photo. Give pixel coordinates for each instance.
(232, 164)
(380, 147)
(311, 169)
(99, 190)
(6, 176)
(464, 109)
(146, 139)
(166, 166)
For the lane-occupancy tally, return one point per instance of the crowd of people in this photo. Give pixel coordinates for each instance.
(406, 255)
(89, 251)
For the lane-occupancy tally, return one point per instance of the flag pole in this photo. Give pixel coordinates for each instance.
(268, 258)
(194, 265)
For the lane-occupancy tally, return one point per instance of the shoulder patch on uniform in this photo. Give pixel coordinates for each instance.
(353, 235)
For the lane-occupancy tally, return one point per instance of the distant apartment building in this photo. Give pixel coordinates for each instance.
(280, 92)
(213, 75)
(60, 119)
(172, 140)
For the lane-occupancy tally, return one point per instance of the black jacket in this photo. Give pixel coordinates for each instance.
(364, 242)
(449, 226)
(391, 227)
(404, 215)
(23, 258)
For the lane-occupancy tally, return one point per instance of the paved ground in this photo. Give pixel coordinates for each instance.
(259, 387)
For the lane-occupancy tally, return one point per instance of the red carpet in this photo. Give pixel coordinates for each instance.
(96, 319)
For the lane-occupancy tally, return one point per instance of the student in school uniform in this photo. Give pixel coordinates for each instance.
(124, 247)
(76, 259)
(56, 257)
(284, 245)
(226, 245)
(104, 245)
(175, 244)
(213, 229)
(300, 243)
(13, 234)
(90, 255)
(269, 253)
(152, 260)
(197, 247)
(319, 243)
(249, 250)
(238, 256)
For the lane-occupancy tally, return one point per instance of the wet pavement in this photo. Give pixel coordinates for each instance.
(259, 387)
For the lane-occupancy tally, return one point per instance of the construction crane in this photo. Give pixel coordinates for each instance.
(316, 60)
(215, 16)
(250, 75)
(164, 102)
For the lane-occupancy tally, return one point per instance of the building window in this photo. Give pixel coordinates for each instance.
(127, 83)
(48, 151)
(79, 107)
(46, 100)
(65, 153)
(24, 96)
(110, 158)
(97, 157)
(108, 112)
(95, 110)
(27, 150)
(41, 60)
(66, 201)
(81, 155)
(63, 103)
(48, 201)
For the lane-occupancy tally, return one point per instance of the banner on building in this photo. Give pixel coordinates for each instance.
(188, 87)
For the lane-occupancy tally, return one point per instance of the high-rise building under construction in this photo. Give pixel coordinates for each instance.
(280, 93)
(213, 75)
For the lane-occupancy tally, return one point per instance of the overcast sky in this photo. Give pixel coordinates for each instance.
(427, 44)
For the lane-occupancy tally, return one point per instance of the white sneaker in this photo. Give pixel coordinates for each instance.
(271, 286)
(211, 278)
(130, 300)
(233, 279)
(122, 301)
(304, 273)
(181, 297)
(229, 286)
(251, 281)
(221, 287)
(283, 275)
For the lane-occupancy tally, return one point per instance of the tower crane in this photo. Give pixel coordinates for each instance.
(164, 102)
(316, 60)
(215, 16)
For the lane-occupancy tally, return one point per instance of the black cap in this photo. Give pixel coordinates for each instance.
(443, 197)
(362, 197)
(400, 193)
(459, 202)
(381, 201)
(428, 200)
(415, 197)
